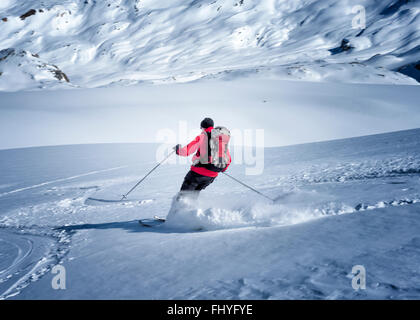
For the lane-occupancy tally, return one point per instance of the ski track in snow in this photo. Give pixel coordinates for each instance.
(42, 245)
(60, 180)
(38, 250)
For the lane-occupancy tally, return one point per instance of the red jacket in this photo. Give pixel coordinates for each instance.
(194, 146)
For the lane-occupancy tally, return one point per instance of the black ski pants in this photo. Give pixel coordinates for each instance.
(196, 182)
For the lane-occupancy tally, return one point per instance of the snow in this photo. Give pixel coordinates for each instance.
(343, 203)
(93, 93)
(125, 42)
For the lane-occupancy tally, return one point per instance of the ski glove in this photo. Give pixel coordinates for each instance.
(176, 148)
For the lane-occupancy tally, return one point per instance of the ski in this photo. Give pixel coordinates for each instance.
(98, 201)
(156, 221)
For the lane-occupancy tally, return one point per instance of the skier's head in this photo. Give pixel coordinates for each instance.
(207, 123)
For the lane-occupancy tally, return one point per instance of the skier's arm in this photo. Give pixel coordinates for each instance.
(189, 148)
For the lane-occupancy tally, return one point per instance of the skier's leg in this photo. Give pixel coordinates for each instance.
(190, 182)
(189, 186)
(204, 182)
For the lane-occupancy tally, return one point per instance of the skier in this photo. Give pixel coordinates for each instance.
(211, 157)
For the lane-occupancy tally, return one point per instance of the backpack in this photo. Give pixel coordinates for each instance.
(218, 147)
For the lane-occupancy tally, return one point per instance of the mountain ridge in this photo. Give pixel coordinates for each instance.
(124, 42)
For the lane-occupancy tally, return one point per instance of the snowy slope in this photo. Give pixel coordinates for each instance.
(345, 202)
(121, 42)
(289, 112)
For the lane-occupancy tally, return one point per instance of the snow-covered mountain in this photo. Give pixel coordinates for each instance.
(23, 68)
(88, 43)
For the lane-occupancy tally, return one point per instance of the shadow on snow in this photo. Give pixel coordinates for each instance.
(130, 226)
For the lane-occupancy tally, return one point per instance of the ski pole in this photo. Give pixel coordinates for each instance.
(249, 187)
(125, 195)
